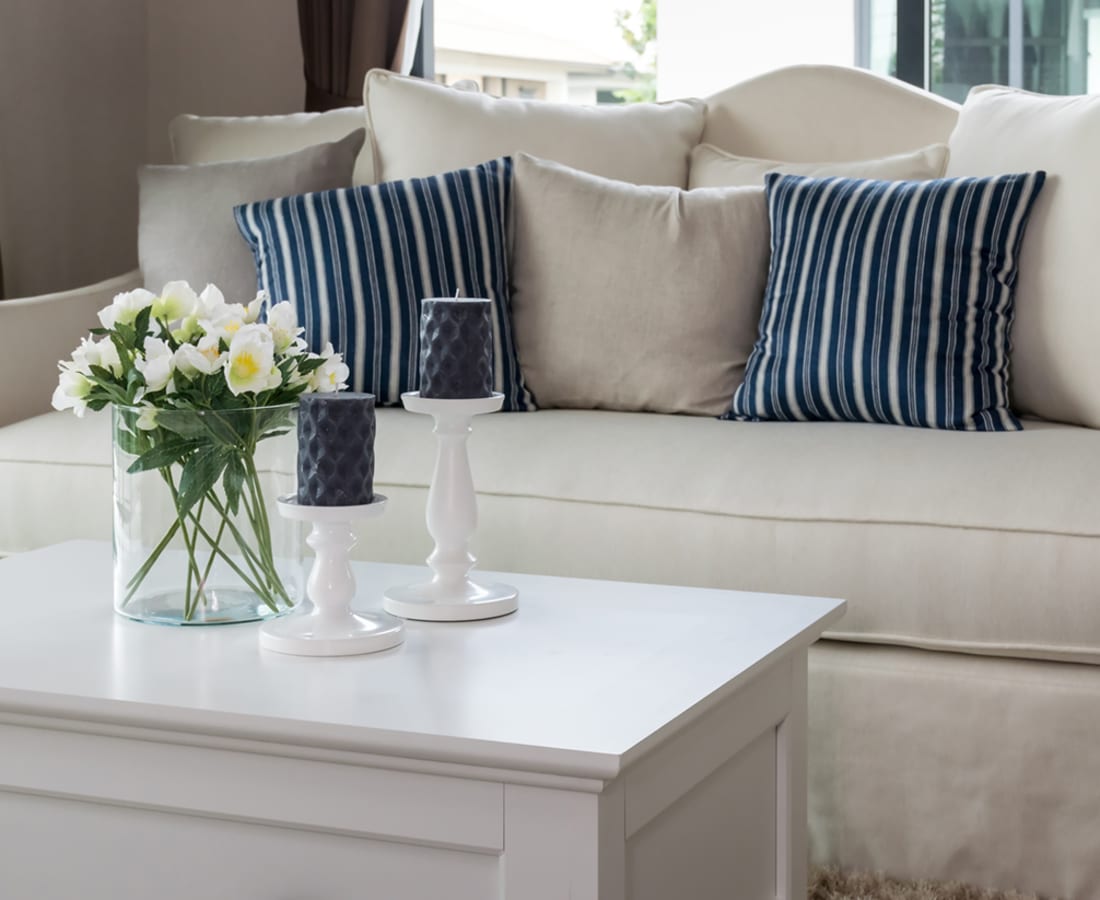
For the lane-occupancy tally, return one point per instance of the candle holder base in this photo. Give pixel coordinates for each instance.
(465, 602)
(330, 627)
(309, 635)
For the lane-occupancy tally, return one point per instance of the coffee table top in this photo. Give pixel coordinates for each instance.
(585, 676)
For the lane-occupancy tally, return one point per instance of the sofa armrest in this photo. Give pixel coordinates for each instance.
(36, 332)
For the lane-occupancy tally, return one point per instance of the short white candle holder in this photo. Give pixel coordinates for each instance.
(329, 627)
(451, 595)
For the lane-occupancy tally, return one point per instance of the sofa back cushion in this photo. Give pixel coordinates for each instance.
(420, 128)
(356, 263)
(889, 302)
(204, 139)
(634, 297)
(816, 113)
(1055, 361)
(714, 167)
(186, 229)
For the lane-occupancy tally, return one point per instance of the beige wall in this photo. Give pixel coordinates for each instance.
(72, 132)
(86, 92)
(221, 58)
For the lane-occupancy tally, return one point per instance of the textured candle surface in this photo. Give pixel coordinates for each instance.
(336, 449)
(456, 349)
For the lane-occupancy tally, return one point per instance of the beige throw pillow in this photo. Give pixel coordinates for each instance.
(186, 228)
(207, 139)
(634, 298)
(713, 167)
(1055, 362)
(419, 129)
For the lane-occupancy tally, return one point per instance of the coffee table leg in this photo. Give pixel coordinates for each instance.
(563, 844)
(791, 826)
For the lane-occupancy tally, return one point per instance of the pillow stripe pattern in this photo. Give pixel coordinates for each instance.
(356, 263)
(889, 302)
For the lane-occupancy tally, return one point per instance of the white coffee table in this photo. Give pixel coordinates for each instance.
(606, 741)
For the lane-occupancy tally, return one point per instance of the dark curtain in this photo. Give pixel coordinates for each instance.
(334, 67)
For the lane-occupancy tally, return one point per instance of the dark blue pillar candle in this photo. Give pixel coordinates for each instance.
(456, 349)
(335, 449)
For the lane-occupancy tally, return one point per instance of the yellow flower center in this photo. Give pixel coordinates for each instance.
(233, 327)
(246, 367)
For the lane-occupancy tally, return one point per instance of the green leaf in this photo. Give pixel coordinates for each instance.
(164, 454)
(233, 483)
(124, 354)
(104, 375)
(128, 441)
(141, 323)
(222, 429)
(307, 366)
(200, 474)
(183, 422)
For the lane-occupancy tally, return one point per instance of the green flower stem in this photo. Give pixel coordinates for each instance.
(247, 551)
(191, 603)
(263, 524)
(216, 543)
(260, 569)
(139, 576)
(259, 591)
(189, 541)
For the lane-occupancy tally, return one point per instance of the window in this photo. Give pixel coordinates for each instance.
(605, 51)
(948, 46)
(577, 51)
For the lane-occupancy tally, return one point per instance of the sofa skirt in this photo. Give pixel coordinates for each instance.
(955, 767)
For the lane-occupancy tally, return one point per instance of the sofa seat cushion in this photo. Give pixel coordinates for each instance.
(982, 543)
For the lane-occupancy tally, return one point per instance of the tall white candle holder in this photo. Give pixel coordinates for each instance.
(451, 595)
(329, 627)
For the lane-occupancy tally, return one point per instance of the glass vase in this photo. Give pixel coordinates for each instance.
(198, 539)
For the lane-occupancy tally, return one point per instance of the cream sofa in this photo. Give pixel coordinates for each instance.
(955, 713)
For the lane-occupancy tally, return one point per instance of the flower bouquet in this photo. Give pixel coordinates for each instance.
(201, 390)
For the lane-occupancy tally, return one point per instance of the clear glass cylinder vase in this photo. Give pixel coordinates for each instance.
(198, 539)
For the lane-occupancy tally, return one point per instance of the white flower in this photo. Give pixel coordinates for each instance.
(204, 359)
(332, 375)
(147, 418)
(211, 302)
(72, 390)
(108, 357)
(251, 365)
(125, 307)
(157, 364)
(283, 322)
(176, 301)
(101, 353)
(259, 302)
(225, 321)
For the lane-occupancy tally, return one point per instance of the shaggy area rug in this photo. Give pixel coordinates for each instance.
(831, 884)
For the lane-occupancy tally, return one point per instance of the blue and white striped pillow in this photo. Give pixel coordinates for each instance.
(889, 302)
(356, 262)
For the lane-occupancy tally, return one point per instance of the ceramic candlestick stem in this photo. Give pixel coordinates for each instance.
(329, 627)
(451, 595)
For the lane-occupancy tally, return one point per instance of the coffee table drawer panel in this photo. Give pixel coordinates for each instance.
(57, 849)
(356, 800)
